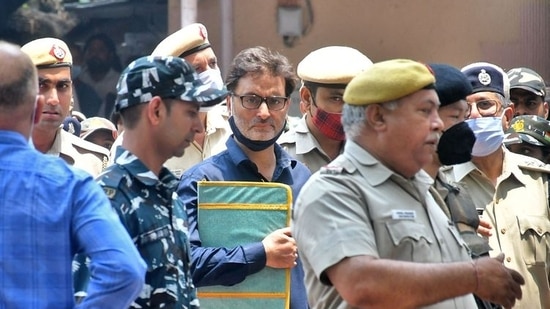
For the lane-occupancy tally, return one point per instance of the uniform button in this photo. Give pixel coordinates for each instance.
(508, 259)
(503, 231)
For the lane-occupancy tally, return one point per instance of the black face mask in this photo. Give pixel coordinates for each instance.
(456, 144)
(250, 144)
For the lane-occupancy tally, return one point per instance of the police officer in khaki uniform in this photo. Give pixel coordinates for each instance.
(191, 43)
(53, 60)
(512, 189)
(318, 137)
(368, 230)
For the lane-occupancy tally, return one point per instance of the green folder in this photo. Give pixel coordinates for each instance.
(233, 213)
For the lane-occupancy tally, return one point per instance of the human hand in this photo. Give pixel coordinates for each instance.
(497, 283)
(280, 249)
(485, 227)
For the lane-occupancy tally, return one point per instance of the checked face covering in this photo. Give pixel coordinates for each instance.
(330, 124)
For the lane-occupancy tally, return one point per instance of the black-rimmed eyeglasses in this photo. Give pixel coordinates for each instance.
(252, 101)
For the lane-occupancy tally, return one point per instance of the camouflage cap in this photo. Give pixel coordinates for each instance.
(48, 53)
(527, 79)
(166, 77)
(531, 129)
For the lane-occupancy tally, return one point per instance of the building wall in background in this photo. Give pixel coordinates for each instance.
(508, 33)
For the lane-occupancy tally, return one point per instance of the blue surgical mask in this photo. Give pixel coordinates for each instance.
(489, 135)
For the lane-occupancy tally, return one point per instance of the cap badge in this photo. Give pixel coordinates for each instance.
(202, 32)
(58, 52)
(484, 78)
(519, 126)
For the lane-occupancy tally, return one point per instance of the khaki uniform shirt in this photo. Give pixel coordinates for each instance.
(79, 153)
(357, 206)
(217, 133)
(303, 146)
(518, 210)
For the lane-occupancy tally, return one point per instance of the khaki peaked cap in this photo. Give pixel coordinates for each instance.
(186, 41)
(332, 65)
(48, 53)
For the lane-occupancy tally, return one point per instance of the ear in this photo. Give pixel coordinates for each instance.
(507, 116)
(376, 116)
(229, 105)
(545, 107)
(38, 107)
(305, 100)
(155, 110)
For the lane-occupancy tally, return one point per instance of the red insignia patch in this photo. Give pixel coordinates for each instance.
(202, 32)
(58, 52)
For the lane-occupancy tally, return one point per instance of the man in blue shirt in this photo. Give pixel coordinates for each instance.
(260, 82)
(50, 211)
(158, 99)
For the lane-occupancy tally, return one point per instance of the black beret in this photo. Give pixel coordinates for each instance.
(451, 85)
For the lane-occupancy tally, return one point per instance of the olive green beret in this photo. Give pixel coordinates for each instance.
(332, 65)
(48, 53)
(186, 41)
(387, 81)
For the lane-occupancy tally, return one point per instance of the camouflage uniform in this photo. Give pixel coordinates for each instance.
(157, 222)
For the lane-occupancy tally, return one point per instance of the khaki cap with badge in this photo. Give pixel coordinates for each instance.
(48, 53)
(91, 125)
(388, 80)
(332, 65)
(184, 42)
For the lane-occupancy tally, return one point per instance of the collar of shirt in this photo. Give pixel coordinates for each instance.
(12, 138)
(377, 173)
(215, 121)
(137, 169)
(238, 157)
(510, 167)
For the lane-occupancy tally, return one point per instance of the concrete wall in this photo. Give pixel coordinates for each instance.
(509, 33)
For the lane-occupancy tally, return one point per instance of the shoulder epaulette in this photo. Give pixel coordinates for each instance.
(535, 165)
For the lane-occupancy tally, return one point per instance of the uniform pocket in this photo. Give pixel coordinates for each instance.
(535, 238)
(153, 245)
(412, 241)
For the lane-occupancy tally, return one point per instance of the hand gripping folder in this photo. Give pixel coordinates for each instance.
(233, 213)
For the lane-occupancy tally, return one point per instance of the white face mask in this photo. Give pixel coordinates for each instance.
(489, 135)
(212, 78)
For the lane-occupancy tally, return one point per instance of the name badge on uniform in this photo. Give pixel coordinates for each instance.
(397, 214)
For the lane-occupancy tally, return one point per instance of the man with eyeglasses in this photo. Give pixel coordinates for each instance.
(260, 82)
(511, 189)
(527, 92)
(318, 137)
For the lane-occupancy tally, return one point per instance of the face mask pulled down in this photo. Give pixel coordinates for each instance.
(489, 135)
(247, 142)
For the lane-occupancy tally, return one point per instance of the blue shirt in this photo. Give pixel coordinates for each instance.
(229, 266)
(149, 208)
(48, 212)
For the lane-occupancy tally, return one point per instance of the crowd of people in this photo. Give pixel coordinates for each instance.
(413, 185)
